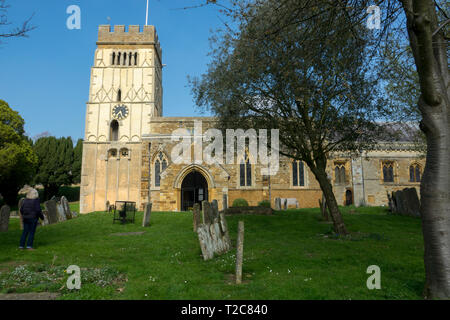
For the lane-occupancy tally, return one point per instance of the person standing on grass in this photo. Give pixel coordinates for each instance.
(31, 212)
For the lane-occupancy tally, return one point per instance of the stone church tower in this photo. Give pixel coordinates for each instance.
(125, 93)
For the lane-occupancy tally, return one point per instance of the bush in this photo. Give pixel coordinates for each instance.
(264, 203)
(240, 203)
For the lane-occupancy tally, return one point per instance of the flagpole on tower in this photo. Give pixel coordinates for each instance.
(146, 15)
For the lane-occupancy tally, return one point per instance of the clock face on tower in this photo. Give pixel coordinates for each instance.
(120, 112)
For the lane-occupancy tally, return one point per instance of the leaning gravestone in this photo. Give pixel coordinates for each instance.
(225, 202)
(60, 211)
(411, 202)
(66, 207)
(50, 206)
(20, 213)
(5, 211)
(213, 233)
(147, 213)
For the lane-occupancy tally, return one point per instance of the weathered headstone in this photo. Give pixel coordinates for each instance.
(399, 202)
(277, 204)
(215, 207)
(213, 232)
(107, 206)
(411, 201)
(60, 211)
(50, 207)
(20, 213)
(74, 214)
(207, 215)
(225, 201)
(197, 216)
(66, 207)
(285, 204)
(147, 213)
(5, 212)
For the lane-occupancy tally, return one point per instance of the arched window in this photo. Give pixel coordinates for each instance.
(414, 173)
(245, 172)
(339, 173)
(119, 95)
(112, 153)
(298, 174)
(135, 58)
(160, 166)
(114, 131)
(118, 58)
(124, 58)
(124, 152)
(113, 58)
(388, 171)
(129, 58)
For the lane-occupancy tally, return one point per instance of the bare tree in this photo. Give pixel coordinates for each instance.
(12, 32)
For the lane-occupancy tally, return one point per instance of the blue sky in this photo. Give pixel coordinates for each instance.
(46, 77)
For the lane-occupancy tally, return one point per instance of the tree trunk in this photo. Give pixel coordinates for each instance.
(330, 200)
(430, 55)
(435, 209)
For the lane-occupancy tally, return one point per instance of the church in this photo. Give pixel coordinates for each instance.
(127, 146)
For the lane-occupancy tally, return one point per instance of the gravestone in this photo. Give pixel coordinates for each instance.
(20, 213)
(411, 201)
(215, 207)
(225, 202)
(399, 202)
(284, 204)
(197, 216)
(391, 203)
(147, 213)
(74, 214)
(107, 207)
(45, 221)
(60, 211)
(50, 207)
(277, 204)
(213, 232)
(66, 207)
(207, 214)
(5, 211)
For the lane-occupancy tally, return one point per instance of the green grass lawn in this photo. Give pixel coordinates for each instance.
(291, 255)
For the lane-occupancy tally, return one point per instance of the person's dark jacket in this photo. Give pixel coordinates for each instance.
(31, 209)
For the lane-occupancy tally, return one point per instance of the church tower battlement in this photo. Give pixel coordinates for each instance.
(125, 94)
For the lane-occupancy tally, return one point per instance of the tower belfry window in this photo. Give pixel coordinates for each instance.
(119, 95)
(135, 58)
(124, 58)
(114, 131)
(129, 58)
(113, 58)
(118, 58)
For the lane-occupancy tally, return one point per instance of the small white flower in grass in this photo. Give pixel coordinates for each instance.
(289, 271)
